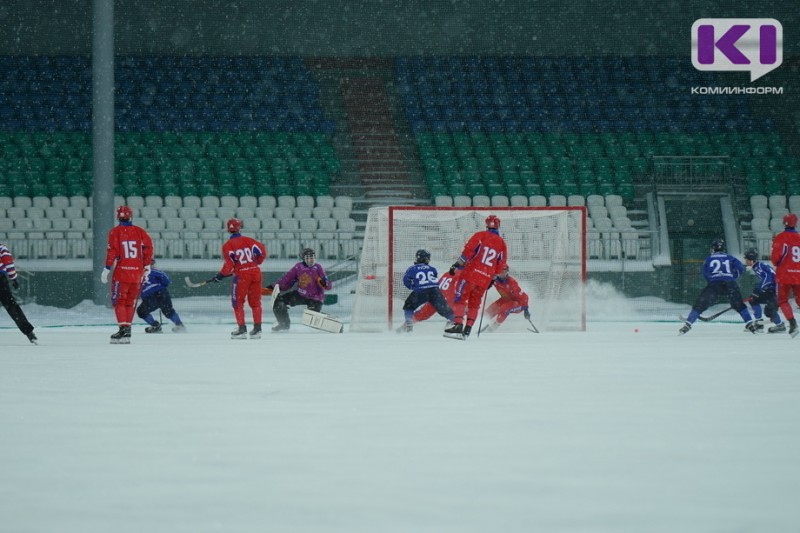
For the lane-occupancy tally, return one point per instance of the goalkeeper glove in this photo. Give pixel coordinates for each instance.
(15, 283)
(104, 275)
(526, 313)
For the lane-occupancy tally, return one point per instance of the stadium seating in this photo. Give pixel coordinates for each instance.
(191, 126)
(567, 126)
(195, 232)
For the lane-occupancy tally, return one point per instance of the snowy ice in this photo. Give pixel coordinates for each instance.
(607, 430)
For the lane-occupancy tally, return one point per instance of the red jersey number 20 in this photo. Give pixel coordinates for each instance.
(243, 255)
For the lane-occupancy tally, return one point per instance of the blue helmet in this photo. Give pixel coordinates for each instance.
(751, 254)
(718, 245)
(423, 256)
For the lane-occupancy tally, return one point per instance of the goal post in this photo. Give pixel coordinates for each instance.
(546, 255)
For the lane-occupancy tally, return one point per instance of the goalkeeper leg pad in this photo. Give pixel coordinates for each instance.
(316, 320)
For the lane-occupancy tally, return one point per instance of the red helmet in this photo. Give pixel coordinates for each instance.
(124, 213)
(790, 220)
(234, 225)
(492, 222)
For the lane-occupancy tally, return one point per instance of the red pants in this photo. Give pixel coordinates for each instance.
(783, 298)
(471, 298)
(501, 309)
(123, 297)
(427, 310)
(246, 287)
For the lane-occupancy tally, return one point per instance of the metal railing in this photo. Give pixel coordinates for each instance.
(691, 173)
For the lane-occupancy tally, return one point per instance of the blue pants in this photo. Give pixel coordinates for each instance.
(158, 300)
(432, 296)
(715, 290)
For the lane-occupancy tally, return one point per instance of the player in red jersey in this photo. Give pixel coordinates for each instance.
(483, 258)
(786, 258)
(447, 284)
(512, 300)
(241, 257)
(129, 252)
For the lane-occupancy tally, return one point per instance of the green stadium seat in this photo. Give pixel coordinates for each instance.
(476, 189)
(457, 189)
(495, 189)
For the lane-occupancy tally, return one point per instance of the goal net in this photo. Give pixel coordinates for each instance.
(546, 255)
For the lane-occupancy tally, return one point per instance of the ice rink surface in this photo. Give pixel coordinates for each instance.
(608, 430)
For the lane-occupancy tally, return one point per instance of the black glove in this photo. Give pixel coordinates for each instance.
(323, 281)
(15, 283)
(526, 314)
(216, 279)
(453, 269)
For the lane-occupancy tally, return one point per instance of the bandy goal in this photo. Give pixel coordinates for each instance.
(546, 254)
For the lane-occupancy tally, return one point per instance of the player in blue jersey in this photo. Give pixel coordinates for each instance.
(423, 280)
(721, 270)
(155, 295)
(764, 293)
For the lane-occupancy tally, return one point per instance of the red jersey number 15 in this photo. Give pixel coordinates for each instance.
(130, 249)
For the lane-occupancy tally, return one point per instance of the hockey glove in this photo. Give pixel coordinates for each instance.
(453, 269)
(104, 275)
(526, 313)
(15, 284)
(323, 281)
(216, 279)
(147, 271)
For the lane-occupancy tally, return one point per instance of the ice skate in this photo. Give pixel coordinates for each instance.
(779, 328)
(32, 338)
(456, 328)
(685, 329)
(456, 332)
(255, 333)
(751, 327)
(239, 333)
(123, 336)
(793, 327)
(759, 325)
(278, 327)
(467, 331)
(408, 327)
(179, 328)
(155, 328)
